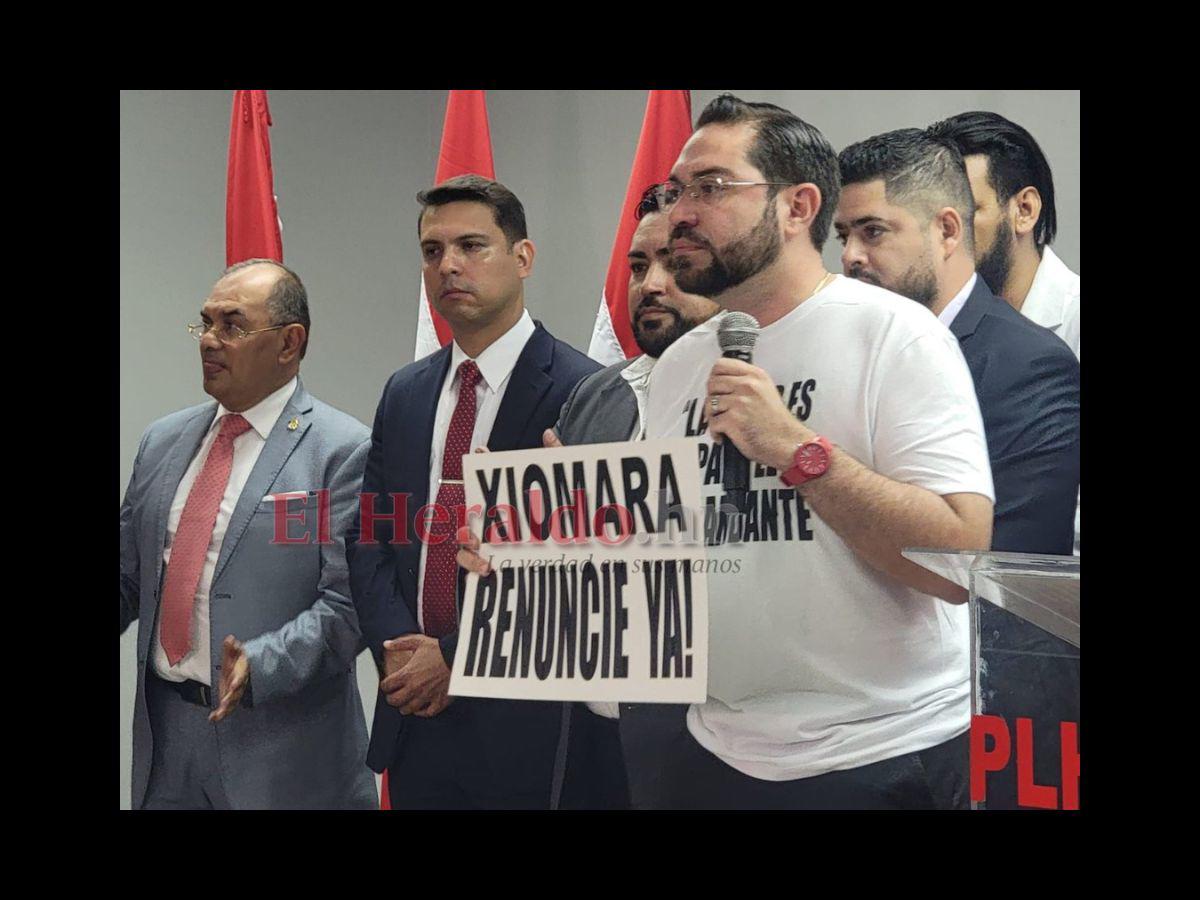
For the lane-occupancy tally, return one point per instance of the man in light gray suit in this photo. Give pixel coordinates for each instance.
(603, 764)
(233, 562)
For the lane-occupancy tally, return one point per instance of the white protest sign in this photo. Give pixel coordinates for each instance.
(598, 587)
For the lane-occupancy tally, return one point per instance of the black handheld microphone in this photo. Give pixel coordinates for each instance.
(736, 334)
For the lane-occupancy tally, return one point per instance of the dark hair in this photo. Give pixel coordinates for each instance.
(786, 149)
(507, 209)
(1015, 161)
(920, 173)
(287, 304)
(648, 203)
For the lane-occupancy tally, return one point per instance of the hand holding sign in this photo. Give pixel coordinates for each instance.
(468, 545)
(420, 688)
(468, 553)
(593, 583)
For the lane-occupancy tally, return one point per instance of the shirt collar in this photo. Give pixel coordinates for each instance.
(263, 415)
(1049, 290)
(947, 315)
(639, 370)
(497, 361)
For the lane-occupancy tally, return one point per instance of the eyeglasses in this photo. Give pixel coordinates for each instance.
(707, 189)
(228, 333)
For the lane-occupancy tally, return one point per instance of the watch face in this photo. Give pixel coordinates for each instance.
(812, 460)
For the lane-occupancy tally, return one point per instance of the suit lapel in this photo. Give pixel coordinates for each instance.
(186, 445)
(527, 386)
(280, 444)
(973, 310)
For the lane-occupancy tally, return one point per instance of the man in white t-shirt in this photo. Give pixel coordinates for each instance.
(838, 670)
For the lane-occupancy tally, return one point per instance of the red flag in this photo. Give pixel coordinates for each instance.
(665, 129)
(252, 229)
(466, 150)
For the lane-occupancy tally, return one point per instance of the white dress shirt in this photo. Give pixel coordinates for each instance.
(196, 665)
(1053, 299)
(637, 374)
(959, 301)
(495, 365)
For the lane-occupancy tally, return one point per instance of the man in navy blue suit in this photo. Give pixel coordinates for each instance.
(906, 222)
(499, 385)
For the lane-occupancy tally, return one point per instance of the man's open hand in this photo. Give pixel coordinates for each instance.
(235, 675)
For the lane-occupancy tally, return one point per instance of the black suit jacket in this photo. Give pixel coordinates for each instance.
(383, 575)
(1027, 382)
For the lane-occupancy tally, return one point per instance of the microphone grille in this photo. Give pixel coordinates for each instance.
(737, 331)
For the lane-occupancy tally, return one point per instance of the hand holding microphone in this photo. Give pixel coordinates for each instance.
(737, 335)
(745, 410)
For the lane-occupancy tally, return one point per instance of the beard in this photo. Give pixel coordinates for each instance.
(918, 283)
(996, 262)
(655, 337)
(739, 260)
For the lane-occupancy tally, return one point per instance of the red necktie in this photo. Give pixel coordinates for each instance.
(192, 538)
(441, 566)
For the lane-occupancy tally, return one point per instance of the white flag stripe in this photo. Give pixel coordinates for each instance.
(604, 347)
(427, 339)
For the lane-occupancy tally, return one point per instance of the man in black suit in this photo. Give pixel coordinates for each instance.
(905, 219)
(499, 384)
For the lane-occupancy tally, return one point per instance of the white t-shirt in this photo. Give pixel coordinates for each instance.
(816, 661)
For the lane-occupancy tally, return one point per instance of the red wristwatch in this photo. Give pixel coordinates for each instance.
(810, 461)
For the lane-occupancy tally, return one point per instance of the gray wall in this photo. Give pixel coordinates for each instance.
(347, 165)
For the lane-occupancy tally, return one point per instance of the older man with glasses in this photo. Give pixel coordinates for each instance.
(231, 559)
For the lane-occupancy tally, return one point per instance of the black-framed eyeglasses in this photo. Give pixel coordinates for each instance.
(228, 332)
(707, 189)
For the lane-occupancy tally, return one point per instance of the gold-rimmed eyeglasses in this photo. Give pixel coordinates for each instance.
(228, 332)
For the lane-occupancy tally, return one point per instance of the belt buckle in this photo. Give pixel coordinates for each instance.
(205, 694)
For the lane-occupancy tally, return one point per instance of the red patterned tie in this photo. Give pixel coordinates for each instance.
(441, 566)
(192, 537)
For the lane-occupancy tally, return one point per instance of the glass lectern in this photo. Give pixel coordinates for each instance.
(1024, 675)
